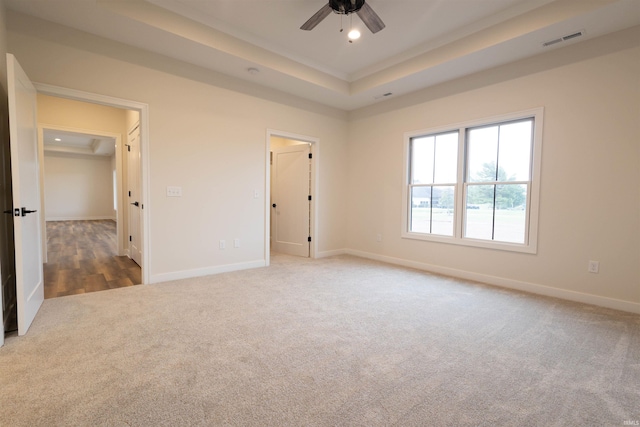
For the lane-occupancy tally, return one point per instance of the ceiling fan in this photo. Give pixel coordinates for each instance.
(346, 7)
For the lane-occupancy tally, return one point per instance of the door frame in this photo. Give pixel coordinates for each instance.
(315, 151)
(118, 141)
(143, 110)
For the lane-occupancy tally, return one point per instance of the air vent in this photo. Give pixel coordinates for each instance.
(551, 42)
(572, 36)
(563, 38)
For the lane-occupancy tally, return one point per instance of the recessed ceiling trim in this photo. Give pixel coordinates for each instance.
(519, 26)
(196, 32)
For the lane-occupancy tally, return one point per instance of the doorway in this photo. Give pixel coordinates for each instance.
(292, 201)
(26, 158)
(80, 176)
(142, 118)
(81, 189)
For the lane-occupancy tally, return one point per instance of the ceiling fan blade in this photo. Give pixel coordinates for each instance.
(370, 18)
(317, 18)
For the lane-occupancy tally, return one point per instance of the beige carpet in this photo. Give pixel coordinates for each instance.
(329, 342)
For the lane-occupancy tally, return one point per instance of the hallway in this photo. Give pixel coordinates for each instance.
(82, 258)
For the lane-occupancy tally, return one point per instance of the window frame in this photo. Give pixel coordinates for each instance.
(460, 210)
(431, 185)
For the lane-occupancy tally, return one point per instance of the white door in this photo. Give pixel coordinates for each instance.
(135, 198)
(290, 199)
(25, 178)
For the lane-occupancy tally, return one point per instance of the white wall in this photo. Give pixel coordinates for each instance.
(209, 140)
(207, 135)
(589, 205)
(78, 187)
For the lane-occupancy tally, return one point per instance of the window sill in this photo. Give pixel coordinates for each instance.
(502, 246)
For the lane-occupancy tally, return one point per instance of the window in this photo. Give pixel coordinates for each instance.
(434, 164)
(475, 184)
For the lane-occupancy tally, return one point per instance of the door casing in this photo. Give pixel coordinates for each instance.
(143, 110)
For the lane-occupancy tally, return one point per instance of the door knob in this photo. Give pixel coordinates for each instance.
(25, 211)
(274, 205)
(135, 204)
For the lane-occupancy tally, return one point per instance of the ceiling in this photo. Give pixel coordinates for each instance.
(74, 143)
(425, 42)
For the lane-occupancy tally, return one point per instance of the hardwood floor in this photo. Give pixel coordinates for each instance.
(82, 257)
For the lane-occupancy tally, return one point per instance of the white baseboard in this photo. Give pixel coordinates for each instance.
(206, 271)
(80, 218)
(533, 288)
(326, 254)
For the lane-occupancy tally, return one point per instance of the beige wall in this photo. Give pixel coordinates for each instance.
(208, 140)
(78, 187)
(69, 113)
(589, 205)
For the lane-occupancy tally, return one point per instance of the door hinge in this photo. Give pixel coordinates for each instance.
(129, 193)
(309, 197)
(310, 155)
(130, 238)
(128, 147)
(309, 239)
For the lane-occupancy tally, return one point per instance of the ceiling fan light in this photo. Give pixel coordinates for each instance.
(354, 34)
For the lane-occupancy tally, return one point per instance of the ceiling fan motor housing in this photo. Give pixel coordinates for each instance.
(345, 7)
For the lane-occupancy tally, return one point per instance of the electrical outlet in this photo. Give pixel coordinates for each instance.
(223, 244)
(379, 238)
(236, 243)
(594, 266)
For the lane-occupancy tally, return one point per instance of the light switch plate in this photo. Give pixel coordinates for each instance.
(173, 191)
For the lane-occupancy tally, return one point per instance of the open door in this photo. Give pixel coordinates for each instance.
(23, 131)
(135, 196)
(291, 199)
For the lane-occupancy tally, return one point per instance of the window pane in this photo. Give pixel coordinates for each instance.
(442, 210)
(422, 156)
(482, 148)
(514, 158)
(479, 212)
(511, 213)
(446, 158)
(432, 210)
(421, 209)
